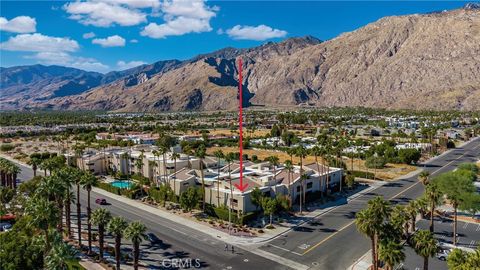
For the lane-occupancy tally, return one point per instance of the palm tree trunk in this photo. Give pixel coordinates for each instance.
(218, 183)
(60, 224)
(432, 211)
(89, 224)
(454, 224)
(68, 219)
(425, 263)
(414, 219)
(100, 239)
(136, 253)
(79, 217)
(203, 185)
(47, 242)
(118, 243)
(374, 252)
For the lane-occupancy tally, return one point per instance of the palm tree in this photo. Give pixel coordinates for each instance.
(163, 151)
(317, 151)
(136, 233)
(423, 177)
(200, 153)
(34, 162)
(101, 217)
(301, 153)
(156, 155)
(366, 224)
(219, 155)
(139, 162)
(425, 245)
(88, 181)
(78, 181)
(433, 196)
(44, 215)
(229, 159)
(69, 199)
(53, 188)
(274, 162)
(117, 226)
(412, 211)
(391, 253)
(59, 255)
(289, 168)
(175, 156)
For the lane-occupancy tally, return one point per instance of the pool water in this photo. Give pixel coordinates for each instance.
(121, 184)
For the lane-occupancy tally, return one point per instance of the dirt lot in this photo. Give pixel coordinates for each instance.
(391, 171)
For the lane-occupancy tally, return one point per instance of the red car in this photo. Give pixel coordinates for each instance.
(101, 201)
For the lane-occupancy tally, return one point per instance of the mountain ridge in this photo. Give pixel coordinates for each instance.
(419, 61)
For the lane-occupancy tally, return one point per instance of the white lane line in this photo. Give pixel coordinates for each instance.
(279, 259)
(472, 244)
(466, 225)
(284, 249)
(478, 228)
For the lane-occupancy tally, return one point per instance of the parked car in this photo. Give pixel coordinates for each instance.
(5, 227)
(443, 254)
(101, 201)
(153, 239)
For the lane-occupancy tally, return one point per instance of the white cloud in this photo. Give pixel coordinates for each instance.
(135, 3)
(105, 14)
(20, 24)
(65, 59)
(89, 35)
(181, 17)
(133, 41)
(122, 65)
(261, 32)
(112, 41)
(39, 43)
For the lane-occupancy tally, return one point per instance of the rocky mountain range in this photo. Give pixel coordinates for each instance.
(420, 61)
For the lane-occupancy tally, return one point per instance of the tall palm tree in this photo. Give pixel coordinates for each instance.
(163, 151)
(289, 168)
(301, 153)
(139, 162)
(274, 161)
(78, 181)
(200, 153)
(425, 245)
(433, 196)
(60, 253)
(366, 224)
(136, 233)
(117, 226)
(156, 156)
(219, 155)
(88, 181)
(175, 156)
(34, 162)
(229, 159)
(412, 211)
(391, 253)
(101, 217)
(303, 178)
(317, 151)
(53, 188)
(423, 177)
(44, 215)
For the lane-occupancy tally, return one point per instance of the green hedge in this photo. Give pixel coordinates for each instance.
(222, 213)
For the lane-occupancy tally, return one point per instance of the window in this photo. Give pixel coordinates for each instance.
(298, 188)
(309, 185)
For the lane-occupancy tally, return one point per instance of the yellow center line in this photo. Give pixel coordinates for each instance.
(330, 236)
(398, 194)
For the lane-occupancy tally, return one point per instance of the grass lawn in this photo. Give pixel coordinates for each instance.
(75, 265)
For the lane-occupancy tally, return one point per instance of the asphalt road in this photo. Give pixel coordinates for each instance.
(331, 241)
(468, 237)
(178, 241)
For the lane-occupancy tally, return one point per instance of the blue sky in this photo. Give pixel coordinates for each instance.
(105, 35)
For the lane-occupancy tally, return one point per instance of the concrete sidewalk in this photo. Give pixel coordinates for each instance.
(217, 234)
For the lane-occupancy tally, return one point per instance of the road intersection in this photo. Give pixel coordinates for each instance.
(329, 241)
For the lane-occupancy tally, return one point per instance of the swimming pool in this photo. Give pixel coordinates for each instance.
(121, 184)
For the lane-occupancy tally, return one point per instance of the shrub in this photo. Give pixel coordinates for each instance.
(469, 167)
(7, 147)
(375, 162)
(409, 156)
